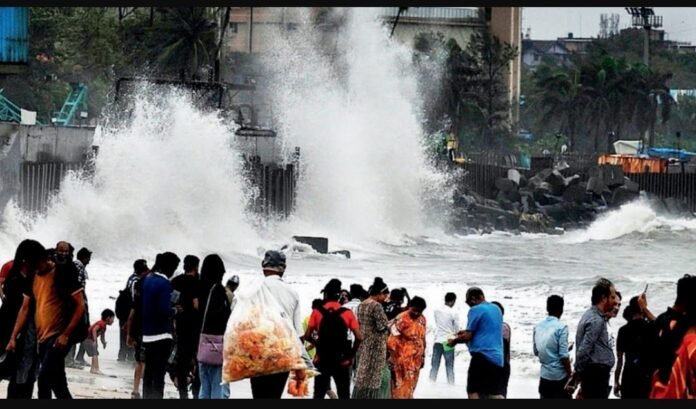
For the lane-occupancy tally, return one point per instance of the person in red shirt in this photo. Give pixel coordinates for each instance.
(98, 330)
(331, 323)
(4, 272)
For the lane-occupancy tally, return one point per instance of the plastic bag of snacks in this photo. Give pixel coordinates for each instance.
(259, 339)
(298, 388)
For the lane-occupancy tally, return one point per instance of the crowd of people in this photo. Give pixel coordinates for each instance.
(370, 342)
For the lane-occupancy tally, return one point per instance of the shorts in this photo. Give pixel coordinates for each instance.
(139, 351)
(91, 348)
(485, 377)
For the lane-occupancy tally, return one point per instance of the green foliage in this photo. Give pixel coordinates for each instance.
(599, 99)
(470, 96)
(90, 45)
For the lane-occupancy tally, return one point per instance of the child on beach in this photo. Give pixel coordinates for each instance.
(98, 329)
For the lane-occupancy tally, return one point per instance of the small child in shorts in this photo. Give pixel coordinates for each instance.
(98, 330)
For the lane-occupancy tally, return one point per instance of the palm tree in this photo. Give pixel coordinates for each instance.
(655, 100)
(559, 94)
(188, 38)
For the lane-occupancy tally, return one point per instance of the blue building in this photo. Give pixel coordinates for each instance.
(14, 39)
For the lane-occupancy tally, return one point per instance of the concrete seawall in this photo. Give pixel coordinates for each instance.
(25, 147)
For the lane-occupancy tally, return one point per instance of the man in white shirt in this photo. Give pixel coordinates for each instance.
(273, 264)
(446, 327)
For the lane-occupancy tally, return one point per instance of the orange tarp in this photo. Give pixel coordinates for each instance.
(634, 164)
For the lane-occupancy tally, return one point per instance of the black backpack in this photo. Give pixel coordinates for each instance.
(124, 302)
(333, 346)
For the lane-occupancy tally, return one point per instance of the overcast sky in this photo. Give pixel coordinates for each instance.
(547, 23)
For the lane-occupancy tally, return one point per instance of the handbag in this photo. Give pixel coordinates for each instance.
(209, 346)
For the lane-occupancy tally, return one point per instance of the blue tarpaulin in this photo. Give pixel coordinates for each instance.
(668, 153)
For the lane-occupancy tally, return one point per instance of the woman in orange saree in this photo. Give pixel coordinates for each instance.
(406, 346)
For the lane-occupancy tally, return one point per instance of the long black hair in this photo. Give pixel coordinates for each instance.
(212, 271)
(29, 252)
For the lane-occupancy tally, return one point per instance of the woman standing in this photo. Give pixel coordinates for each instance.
(216, 311)
(19, 338)
(372, 353)
(406, 347)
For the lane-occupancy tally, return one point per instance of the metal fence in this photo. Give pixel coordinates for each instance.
(275, 186)
(39, 181)
(681, 186)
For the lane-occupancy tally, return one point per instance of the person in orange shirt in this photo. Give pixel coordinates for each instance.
(406, 346)
(57, 296)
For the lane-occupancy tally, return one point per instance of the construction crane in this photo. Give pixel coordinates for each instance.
(77, 98)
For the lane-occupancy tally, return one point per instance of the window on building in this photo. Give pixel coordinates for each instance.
(233, 27)
(291, 26)
(536, 57)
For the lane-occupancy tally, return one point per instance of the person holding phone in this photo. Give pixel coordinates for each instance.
(632, 378)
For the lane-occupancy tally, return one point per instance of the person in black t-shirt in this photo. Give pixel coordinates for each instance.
(633, 353)
(187, 327)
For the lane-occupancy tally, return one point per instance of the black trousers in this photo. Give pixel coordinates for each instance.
(20, 390)
(340, 375)
(156, 357)
(553, 389)
(269, 386)
(185, 366)
(594, 381)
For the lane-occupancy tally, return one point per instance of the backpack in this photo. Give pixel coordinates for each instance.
(333, 346)
(123, 304)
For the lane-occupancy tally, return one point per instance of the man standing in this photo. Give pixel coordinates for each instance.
(273, 264)
(188, 326)
(158, 311)
(446, 326)
(134, 326)
(550, 343)
(84, 256)
(484, 337)
(335, 351)
(594, 356)
(60, 307)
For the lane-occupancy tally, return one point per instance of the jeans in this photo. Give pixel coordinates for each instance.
(438, 351)
(211, 378)
(52, 371)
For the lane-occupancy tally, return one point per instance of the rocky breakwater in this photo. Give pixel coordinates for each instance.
(547, 202)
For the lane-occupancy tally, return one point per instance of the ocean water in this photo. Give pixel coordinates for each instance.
(168, 180)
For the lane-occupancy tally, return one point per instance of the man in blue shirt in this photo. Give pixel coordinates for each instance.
(157, 313)
(484, 338)
(550, 341)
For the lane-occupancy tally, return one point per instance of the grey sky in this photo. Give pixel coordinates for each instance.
(547, 23)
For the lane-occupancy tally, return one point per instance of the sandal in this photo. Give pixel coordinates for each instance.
(135, 395)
